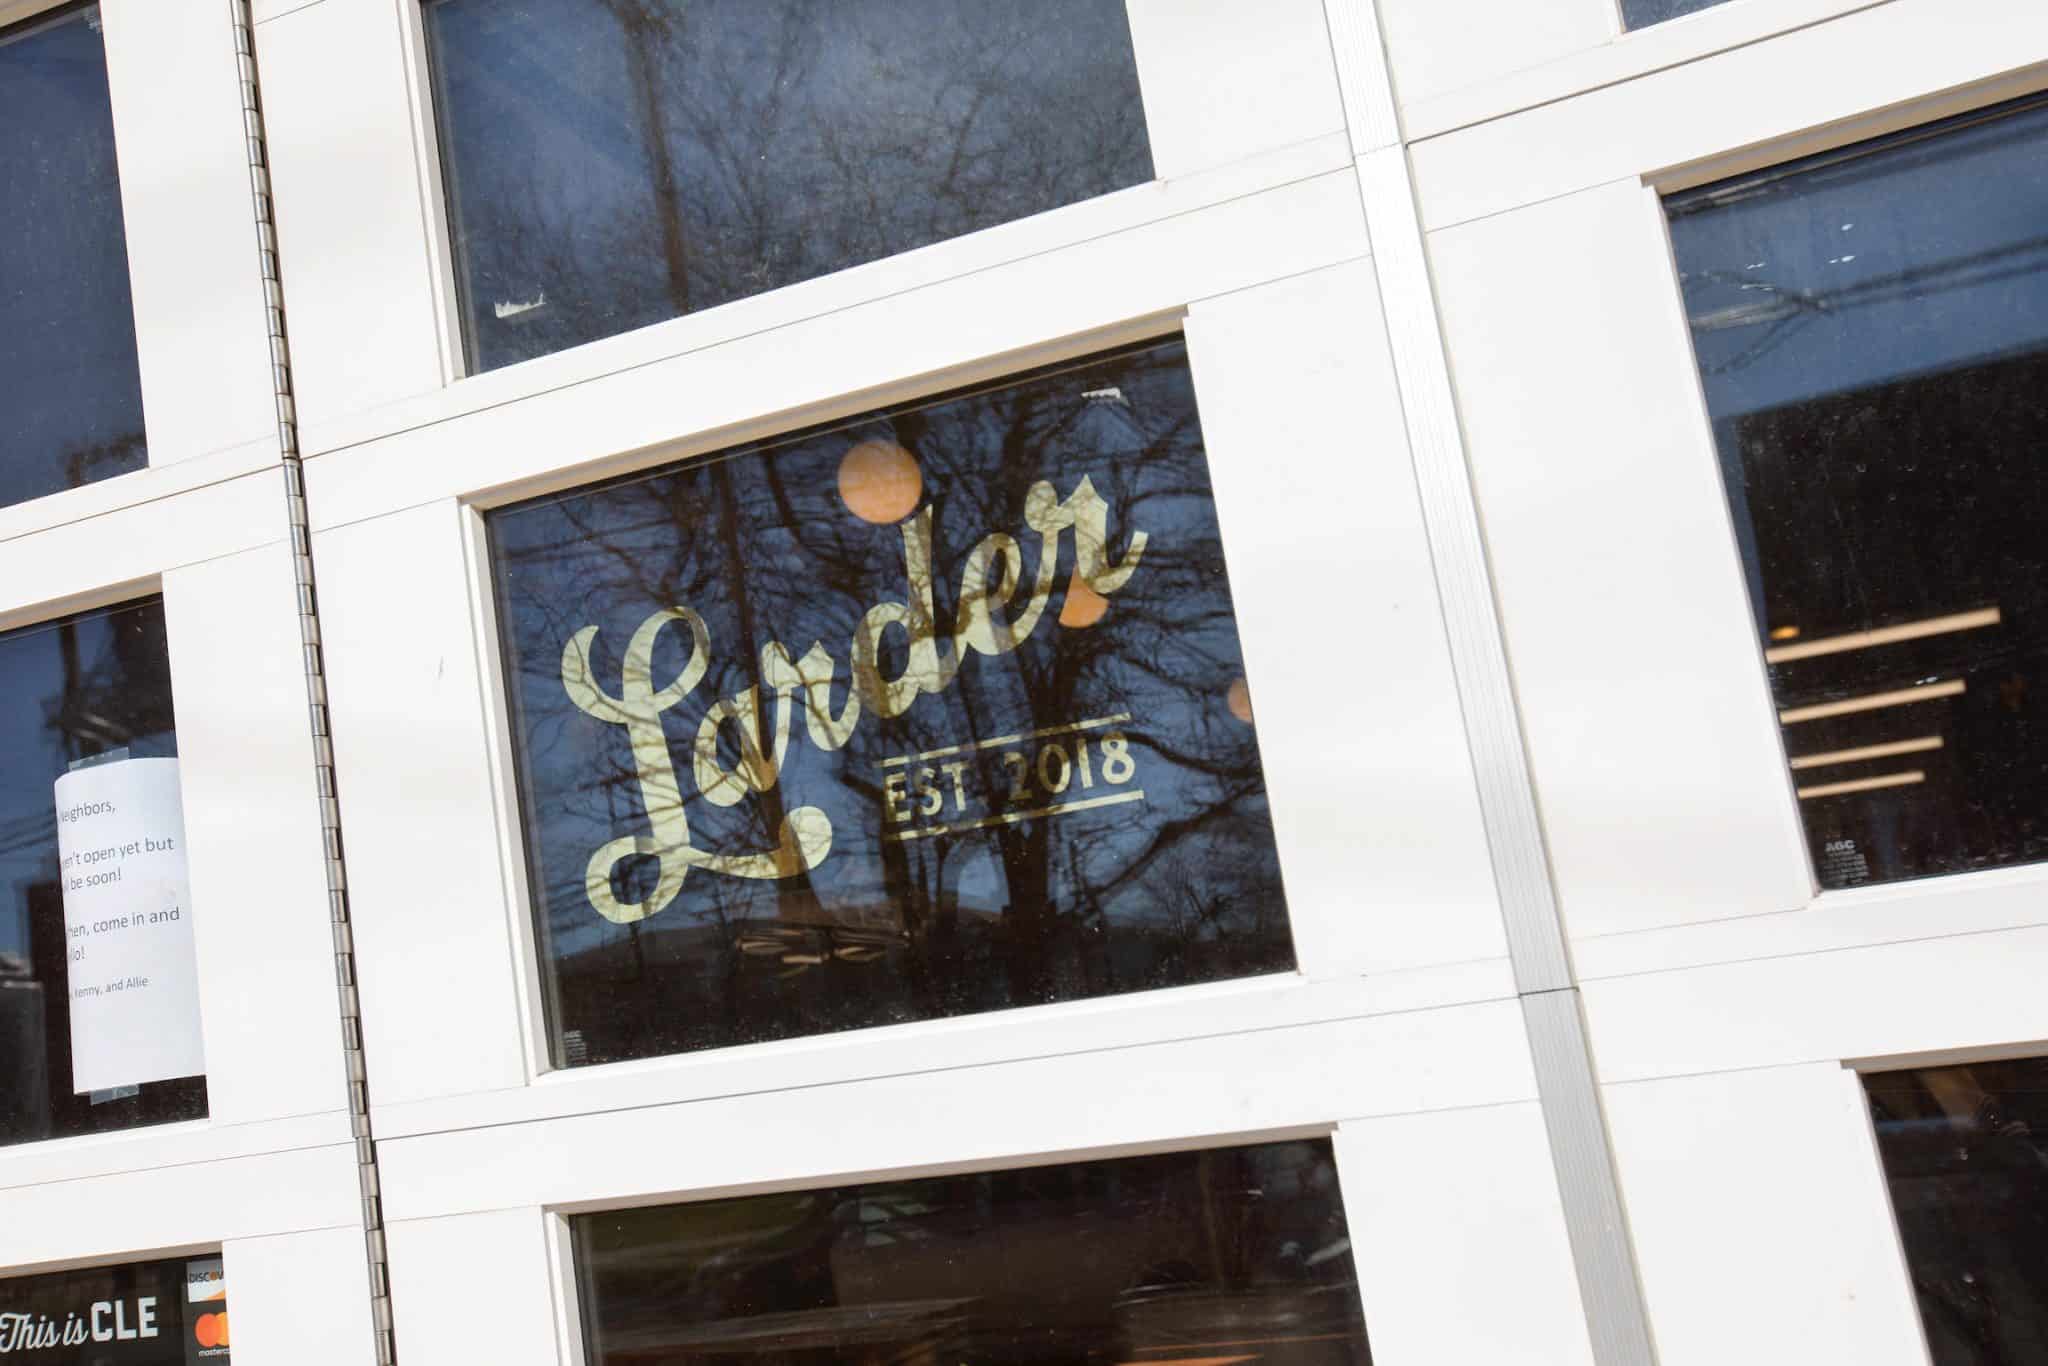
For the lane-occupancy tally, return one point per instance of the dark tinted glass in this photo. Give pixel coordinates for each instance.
(1966, 1152)
(1642, 13)
(1238, 1253)
(71, 402)
(168, 1313)
(69, 690)
(843, 730)
(1872, 331)
(612, 163)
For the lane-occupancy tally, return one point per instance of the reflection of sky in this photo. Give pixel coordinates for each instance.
(1851, 270)
(1641, 13)
(805, 137)
(1166, 651)
(71, 408)
(36, 749)
(1844, 272)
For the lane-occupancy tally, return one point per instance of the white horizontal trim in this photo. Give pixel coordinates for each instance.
(988, 1039)
(922, 268)
(1629, 56)
(162, 1146)
(1284, 1079)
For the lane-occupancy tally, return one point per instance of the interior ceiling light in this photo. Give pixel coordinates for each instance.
(1884, 751)
(880, 482)
(1926, 692)
(1906, 779)
(1885, 635)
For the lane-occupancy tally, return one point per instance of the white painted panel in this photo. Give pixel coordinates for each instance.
(1649, 725)
(1889, 913)
(474, 1288)
(303, 1299)
(162, 1145)
(1169, 1093)
(789, 375)
(1438, 46)
(1730, 24)
(1382, 845)
(183, 1206)
(1223, 80)
(252, 823)
(134, 543)
(1068, 1028)
(145, 485)
(433, 948)
(1968, 991)
(1845, 68)
(352, 222)
(200, 333)
(1761, 1225)
(1459, 1238)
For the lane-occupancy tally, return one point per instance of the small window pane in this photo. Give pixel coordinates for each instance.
(1239, 1253)
(612, 163)
(165, 1313)
(71, 404)
(1872, 333)
(90, 687)
(1643, 13)
(843, 730)
(1966, 1152)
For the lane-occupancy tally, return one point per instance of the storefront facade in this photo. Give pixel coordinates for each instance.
(1337, 680)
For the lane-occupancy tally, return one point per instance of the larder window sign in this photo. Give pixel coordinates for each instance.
(613, 163)
(1233, 1255)
(99, 1011)
(1965, 1150)
(163, 1313)
(1872, 333)
(937, 711)
(71, 406)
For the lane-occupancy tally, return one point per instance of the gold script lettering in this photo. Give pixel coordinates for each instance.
(932, 660)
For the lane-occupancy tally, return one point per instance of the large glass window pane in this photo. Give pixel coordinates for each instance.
(612, 163)
(1872, 334)
(1238, 1254)
(164, 1313)
(1643, 13)
(1966, 1152)
(939, 710)
(71, 403)
(88, 692)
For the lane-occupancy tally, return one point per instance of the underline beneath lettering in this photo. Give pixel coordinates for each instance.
(1012, 817)
(1119, 719)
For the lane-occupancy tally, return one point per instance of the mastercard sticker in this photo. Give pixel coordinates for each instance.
(206, 1312)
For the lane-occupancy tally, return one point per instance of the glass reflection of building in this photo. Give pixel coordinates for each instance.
(1235, 1253)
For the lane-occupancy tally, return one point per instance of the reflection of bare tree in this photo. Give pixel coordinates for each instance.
(1180, 886)
(712, 151)
(78, 688)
